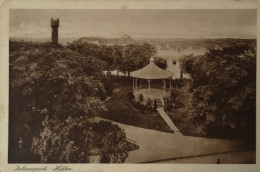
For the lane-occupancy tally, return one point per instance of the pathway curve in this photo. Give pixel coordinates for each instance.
(168, 120)
(155, 145)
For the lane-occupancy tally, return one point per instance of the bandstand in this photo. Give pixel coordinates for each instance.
(152, 82)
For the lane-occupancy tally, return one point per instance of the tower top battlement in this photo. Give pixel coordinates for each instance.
(55, 23)
(55, 27)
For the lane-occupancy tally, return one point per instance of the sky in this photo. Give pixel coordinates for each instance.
(136, 23)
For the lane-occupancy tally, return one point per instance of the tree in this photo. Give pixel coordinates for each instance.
(160, 62)
(125, 58)
(57, 78)
(59, 143)
(224, 90)
(112, 141)
(52, 85)
(107, 54)
(136, 56)
(71, 141)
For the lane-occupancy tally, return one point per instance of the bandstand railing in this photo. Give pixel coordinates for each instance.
(157, 87)
(152, 87)
(142, 87)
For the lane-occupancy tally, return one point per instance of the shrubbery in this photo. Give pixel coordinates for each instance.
(125, 58)
(173, 102)
(54, 91)
(60, 143)
(141, 98)
(130, 96)
(224, 90)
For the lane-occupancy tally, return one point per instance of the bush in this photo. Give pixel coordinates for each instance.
(138, 105)
(59, 143)
(141, 98)
(173, 103)
(144, 108)
(224, 88)
(108, 85)
(130, 95)
(149, 104)
(174, 95)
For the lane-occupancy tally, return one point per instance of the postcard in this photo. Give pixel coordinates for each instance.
(129, 86)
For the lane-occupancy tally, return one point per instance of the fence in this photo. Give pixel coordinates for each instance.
(134, 142)
(160, 87)
(99, 152)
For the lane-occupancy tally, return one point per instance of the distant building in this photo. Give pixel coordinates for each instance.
(109, 41)
(173, 65)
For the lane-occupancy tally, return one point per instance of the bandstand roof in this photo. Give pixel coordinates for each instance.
(151, 71)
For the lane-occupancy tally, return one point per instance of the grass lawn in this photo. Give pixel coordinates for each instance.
(180, 116)
(120, 110)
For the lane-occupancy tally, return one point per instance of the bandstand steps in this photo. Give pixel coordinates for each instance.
(159, 103)
(169, 122)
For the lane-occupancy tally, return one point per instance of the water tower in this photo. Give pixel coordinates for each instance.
(55, 26)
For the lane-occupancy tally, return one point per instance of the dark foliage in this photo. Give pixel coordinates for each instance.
(224, 90)
(125, 58)
(53, 93)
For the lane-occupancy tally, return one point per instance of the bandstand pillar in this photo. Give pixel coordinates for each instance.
(149, 85)
(136, 84)
(133, 84)
(170, 83)
(164, 84)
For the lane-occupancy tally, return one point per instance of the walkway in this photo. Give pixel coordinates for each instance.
(155, 145)
(234, 157)
(168, 120)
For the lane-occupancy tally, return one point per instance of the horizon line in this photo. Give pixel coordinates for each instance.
(104, 37)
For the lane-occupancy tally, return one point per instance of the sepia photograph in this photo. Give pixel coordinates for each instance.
(132, 86)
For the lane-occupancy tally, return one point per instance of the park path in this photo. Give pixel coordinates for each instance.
(155, 145)
(168, 120)
(234, 157)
